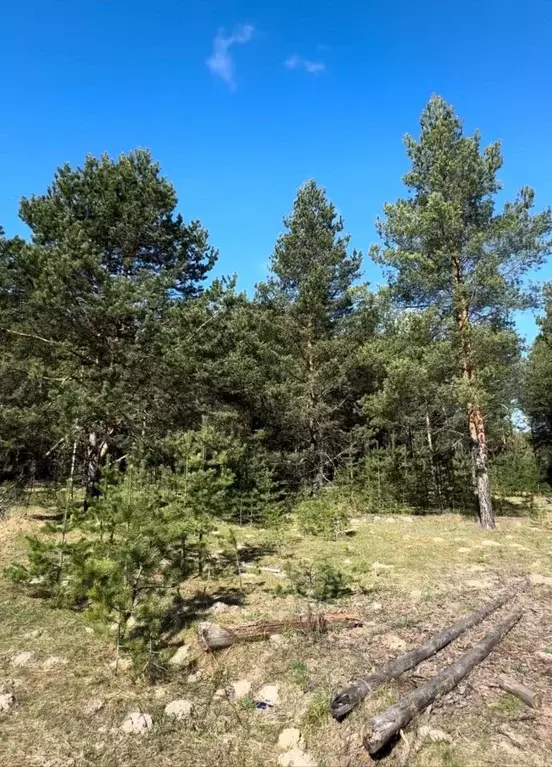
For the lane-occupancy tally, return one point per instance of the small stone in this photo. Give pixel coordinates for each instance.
(219, 694)
(121, 664)
(193, 678)
(377, 607)
(159, 693)
(131, 623)
(416, 595)
(93, 706)
(518, 546)
(435, 735)
(296, 758)
(239, 689)
(33, 634)
(463, 550)
(219, 607)
(488, 542)
(137, 723)
(53, 661)
(476, 583)
(89, 629)
(394, 642)
(540, 580)
(179, 709)
(268, 695)
(516, 738)
(181, 656)
(381, 566)
(22, 659)
(289, 738)
(7, 701)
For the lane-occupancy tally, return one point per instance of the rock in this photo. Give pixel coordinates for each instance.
(516, 738)
(436, 736)
(93, 706)
(463, 550)
(137, 723)
(121, 664)
(219, 607)
(159, 693)
(131, 623)
(22, 659)
(546, 656)
(240, 689)
(518, 546)
(7, 701)
(181, 656)
(89, 629)
(193, 678)
(377, 607)
(540, 580)
(381, 566)
(32, 634)
(289, 738)
(179, 709)
(268, 695)
(219, 694)
(416, 595)
(296, 757)
(52, 662)
(489, 542)
(477, 583)
(394, 642)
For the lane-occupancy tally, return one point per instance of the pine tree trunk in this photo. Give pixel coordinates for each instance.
(96, 452)
(476, 424)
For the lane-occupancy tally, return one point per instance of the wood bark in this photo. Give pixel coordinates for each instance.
(384, 726)
(476, 423)
(521, 691)
(215, 637)
(346, 700)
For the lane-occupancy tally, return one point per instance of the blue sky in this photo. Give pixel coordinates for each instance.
(242, 101)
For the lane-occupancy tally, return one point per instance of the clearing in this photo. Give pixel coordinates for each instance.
(410, 577)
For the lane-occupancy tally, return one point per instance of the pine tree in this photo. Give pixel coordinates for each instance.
(308, 308)
(537, 393)
(446, 247)
(109, 258)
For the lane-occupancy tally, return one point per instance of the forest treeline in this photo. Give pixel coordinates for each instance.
(124, 365)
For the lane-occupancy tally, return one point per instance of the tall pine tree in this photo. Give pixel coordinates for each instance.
(446, 247)
(309, 306)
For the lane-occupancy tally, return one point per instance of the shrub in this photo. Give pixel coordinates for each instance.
(318, 580)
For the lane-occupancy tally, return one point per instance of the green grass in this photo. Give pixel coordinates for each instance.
(426, 588)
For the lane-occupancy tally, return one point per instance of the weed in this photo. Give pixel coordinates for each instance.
(299, 672)
(507, 704)
(317, 712)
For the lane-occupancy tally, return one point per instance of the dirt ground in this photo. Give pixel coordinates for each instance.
(410, 577)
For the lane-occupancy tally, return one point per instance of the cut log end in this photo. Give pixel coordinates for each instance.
(521, 691)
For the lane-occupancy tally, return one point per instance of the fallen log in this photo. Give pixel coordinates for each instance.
(215, 637)
(521, 691)
(356, 691)
(384, 726)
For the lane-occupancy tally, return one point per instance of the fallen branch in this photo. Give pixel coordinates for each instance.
(356, 691)
(530, 698)
(384, 726)
(215, 637)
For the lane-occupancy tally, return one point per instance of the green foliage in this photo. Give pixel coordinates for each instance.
(324, 514)
(319, 580)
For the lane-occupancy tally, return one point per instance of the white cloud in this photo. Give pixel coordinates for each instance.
(221, 63)
(298, 62)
